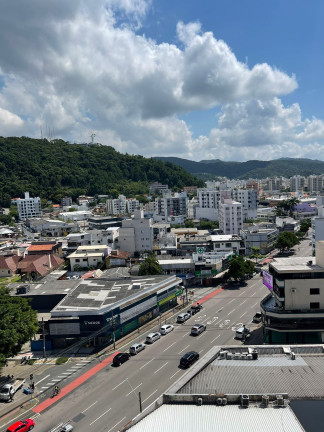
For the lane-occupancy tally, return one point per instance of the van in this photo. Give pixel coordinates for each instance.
(242, 332)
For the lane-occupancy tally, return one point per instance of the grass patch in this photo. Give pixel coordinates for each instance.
(31, 361)
(61, 360)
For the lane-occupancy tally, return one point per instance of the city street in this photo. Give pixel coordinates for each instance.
(109, 398)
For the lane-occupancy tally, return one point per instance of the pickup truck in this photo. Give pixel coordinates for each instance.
(8, 390)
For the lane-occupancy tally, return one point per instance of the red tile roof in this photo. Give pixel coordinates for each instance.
(39, 263)
(45, 247)
(9, 262)
(120, 255)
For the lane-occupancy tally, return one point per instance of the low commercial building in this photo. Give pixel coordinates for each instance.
(104, 222)
(293, 312)
(260, 237)
(227, 243)
(106, 309)
(88, 256)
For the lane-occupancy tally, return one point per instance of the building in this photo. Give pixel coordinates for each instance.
(136, 234)
(104, 222)
(106, 308)
(293, 311)
(230, 216)
(297, 183)
(66, 201)
(88, 256)
(315, 183)
(34, 267)
(170, 206)
(132, 204)
(318, 227)
(8, 265)
(80, 215)
(28, 207)
(208, 200)
(249, 200)
(91, 238)
(259, 236)
(287, 224)
(51, 227)
(157, 187)
(227, 244)
(116, 206)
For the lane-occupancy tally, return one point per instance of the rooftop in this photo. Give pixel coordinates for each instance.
(295, 263)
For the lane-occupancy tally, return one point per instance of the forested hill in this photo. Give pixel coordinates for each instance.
(250, 169)
(56, 168)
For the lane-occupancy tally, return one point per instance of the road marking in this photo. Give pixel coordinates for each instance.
(232, 311)
(45, 388)
(215, 339)
(160, 368)
(116, 424)
(133, 389)
(94, 403)
(147, 363)
(183, 349)
(79, 364)
(56, 380)
(43, 379)
(169, 346)
(241, 293)
(243, 315)
(242, 302)
(148, 397)
(100, 417)
(175, 374)
(185, 335)
(66, 373)
(230, 302)
(61, 376)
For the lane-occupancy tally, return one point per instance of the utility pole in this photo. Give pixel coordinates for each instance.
(113, 329)
(140, 401)
(44, 345)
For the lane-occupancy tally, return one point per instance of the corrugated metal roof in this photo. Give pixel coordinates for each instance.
(211, 418)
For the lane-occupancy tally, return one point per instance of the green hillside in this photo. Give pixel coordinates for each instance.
(52, 169)
(250, 169)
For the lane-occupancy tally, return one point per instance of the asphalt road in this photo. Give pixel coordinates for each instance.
(110, 398)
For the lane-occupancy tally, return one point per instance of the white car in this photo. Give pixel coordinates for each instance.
(197, 329)
(165, 329)
(136, 348)
(183, 317)
(152, 337)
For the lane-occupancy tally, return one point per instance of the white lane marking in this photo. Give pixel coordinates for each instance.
(42, 379)
(184, 349)
(241, 293)
(212, 320)
(100, 417)
(45, 388)
(133, 389)
(94, 403)
(232, 311)
(116, 424)
(60, 376)
(169, 346)
(148, 397)
(242, 302)
(119, 384)
(185, 335)
(160, 368)
(79, 364)
(175, 374)
(243, 315)
(147, 363)
(230, 302)
(57, 380)
(215, 339)
(66, 373)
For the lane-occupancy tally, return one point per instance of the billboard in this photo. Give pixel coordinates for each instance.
(267, 280)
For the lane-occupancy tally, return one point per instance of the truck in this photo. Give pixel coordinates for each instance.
(9, 389)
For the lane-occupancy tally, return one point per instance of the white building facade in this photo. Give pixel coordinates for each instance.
(230, 216)
(29, 207)
(136, 234)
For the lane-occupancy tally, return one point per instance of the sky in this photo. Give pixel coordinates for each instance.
(233, 80)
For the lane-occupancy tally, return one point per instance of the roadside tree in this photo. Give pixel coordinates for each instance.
(286, 240)
(150, 266)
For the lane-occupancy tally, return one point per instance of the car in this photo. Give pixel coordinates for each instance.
(183, 317)
(136, 348)
(257, 317)
(195, 309)
(242, 332)
(22, 426)
(120, 358)
(152, 337)
(188, 359)
(197, 329)
(166, 328)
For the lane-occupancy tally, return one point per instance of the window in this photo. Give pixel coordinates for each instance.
(84, 259)
(77, 260)
(314, 305)
(314, 291)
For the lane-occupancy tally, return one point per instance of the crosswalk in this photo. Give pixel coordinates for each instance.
(63, 375)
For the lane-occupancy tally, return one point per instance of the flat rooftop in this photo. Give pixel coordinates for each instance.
(295, 263)
(98, 295)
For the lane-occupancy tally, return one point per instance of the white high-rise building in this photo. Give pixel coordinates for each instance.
(116, 206)
(315, 183)
(170, 206)
(249, 200)
(208, 200)
(136, 234)
(29, 207)
(230, 216)
(131, 205)
(318, 227)
(297, 183)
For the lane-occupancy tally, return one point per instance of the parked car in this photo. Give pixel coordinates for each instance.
(188, 359)
(183, 317)
(120, 358)
(242, 332)
(152, 337)
(166, 328)
(194, 309)
(197, 329)
(257, 317)
(22, 426)
(136, 348)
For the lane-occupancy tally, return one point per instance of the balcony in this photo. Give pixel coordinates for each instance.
(268, 304)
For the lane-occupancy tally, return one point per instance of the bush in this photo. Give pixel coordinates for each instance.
(61, 360)
(31, 361)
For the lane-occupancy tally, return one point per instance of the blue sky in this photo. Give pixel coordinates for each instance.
(234, 79)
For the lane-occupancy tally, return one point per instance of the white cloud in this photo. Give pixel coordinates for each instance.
(9, 122)
(79, 66)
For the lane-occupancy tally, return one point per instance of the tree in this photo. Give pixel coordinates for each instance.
(255, 253)
(17, 325)
(150, 266)
(305, 224)
(239, 268)
(286, 240)
(189, 223)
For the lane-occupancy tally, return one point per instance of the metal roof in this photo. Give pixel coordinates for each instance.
(211, 418)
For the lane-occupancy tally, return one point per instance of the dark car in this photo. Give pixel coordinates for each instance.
(194, 309)
(120, 358)
(188, 359)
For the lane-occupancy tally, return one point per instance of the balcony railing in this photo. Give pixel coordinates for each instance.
(272, 307)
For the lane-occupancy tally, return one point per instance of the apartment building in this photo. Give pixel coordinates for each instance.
(249, 200)
(131, 205)
(116, 206)
(28, 207)
(293, 311)
(297, 183)
(262, 237)
(136, 234)
(157, 187)
(315, 183)
(318, 227)
(230, 216)
(208, 199)
(170, 206)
